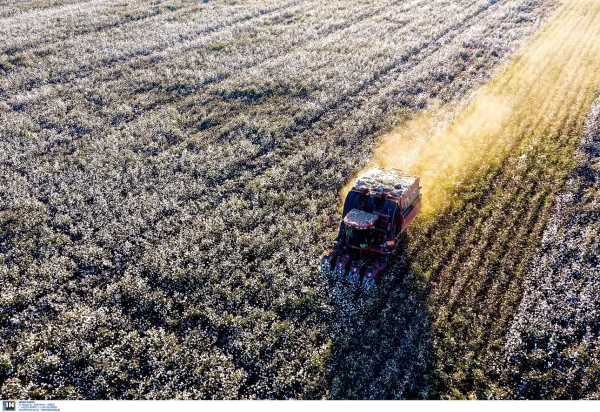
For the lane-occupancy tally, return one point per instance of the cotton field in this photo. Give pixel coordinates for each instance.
(170, 175)
(552, 347)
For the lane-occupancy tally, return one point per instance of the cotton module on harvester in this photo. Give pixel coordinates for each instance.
(376, 213)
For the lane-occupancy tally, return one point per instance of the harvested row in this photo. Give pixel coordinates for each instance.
(551, 349)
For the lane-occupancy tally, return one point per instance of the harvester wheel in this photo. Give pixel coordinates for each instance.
(350, 203)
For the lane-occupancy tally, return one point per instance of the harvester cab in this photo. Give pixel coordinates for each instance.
(360, 228)
(376, 213)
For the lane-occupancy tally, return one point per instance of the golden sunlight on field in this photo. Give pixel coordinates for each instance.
(551, 83)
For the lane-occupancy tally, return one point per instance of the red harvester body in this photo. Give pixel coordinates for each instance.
(376, 212)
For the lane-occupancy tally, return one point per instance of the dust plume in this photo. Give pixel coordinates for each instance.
(552, 81)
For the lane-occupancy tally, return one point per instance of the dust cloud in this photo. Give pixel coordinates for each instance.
(552, 81)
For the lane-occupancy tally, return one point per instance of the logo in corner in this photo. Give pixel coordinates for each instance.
(9, 405)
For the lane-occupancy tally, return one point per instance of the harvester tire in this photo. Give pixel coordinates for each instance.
(350, 203)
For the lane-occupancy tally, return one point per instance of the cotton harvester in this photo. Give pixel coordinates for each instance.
(376, 213)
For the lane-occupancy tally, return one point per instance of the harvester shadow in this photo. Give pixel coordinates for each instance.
(381, 338)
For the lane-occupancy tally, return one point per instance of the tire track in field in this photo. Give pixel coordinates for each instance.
(151, 16)
(150, 108)
(366, 90)
(117, 64)
(354, 100)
